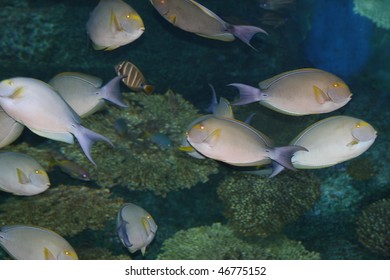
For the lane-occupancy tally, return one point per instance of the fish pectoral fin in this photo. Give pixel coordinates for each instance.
(172, 19)
(18, 93)
(114, 24)
(320, 96)
(352, 143)
(48, 254)
(22, 178)
(212, 139)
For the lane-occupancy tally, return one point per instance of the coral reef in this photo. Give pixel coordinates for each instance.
(373, 227)
(361, 169)
(218, 242)
(258, 206)
(376, 10)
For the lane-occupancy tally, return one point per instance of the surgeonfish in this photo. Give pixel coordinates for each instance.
(40, 108)
(85, 93)
(191, 16)
(24, 242)
(299, 92)
(236, 143)
(10, 129)
(21, 174)
(69, 167)
(113, 23)
(133, 77)
(136, 227)
(331, 141)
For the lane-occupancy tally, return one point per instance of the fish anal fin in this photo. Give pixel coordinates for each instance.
(187, 149)
(212, 139)
(319, 95)
(22, 178)
(48, 255)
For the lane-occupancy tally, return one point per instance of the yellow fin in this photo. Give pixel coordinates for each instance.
(172, 19)
(353, 142)
(213, 137)
(22, 178)
(18, 93)
(320, 96)
(48, 254)
(187, 149)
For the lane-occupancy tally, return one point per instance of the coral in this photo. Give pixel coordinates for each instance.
(373, 227)
(376, 10)
(258, 206)
(218, 242)
(100, 254)
(66, 210)
(361, 169)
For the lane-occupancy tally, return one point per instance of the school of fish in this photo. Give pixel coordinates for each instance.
(55, 109)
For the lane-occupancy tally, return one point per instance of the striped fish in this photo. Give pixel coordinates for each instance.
(133, 77)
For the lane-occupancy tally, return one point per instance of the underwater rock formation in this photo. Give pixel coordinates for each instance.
(373, 227)
(218, 242)
(378, 11)
(259, 207)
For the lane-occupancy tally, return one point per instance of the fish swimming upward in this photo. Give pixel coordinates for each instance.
(191, 16)
(133, 77)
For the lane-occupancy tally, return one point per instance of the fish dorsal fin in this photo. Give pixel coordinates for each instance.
(22, 178)
(18, 93)
(206, 11)
(48, 255)
(223, 109)
(114, 24)
(212, 139)
(320, 95)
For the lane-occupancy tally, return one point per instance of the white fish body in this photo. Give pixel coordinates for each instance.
(38, 106)
(24, 242)
(331, 141)
(10, 129)
(136, 227)
(113, 23)
(21, 174)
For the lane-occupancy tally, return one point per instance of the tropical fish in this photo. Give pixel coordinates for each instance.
(236, 143)
(24, 242)
(132, 77)
(332, 141)
(10, 129)
(112, 24)
(69, 167)
(298, 92)
(85, 93)
(21, 174)
(36, 105)
(193, 17)
(136, 227)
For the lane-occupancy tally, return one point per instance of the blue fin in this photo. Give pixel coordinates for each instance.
(245, 32)
(248, 94)
(111, 92)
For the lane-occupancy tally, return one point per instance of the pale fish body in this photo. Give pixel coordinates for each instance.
(10, 129)
(112, 24)
(331, 141)
(191, 16)
(24, 242)
(237, 143)
(298, 92)
(21, 174)
(36, 105)
(85, 93)
(136, 227)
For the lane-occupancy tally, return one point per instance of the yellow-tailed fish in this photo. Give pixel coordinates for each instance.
(136, 227)
(191, 16)
(21, 174)
(113, 23)
(132, 77)
(331, 141)
(10, 129)
(24, 242)
(298, 92)
(236, 143)
(69, 167)
(85, 93)
(40, 108)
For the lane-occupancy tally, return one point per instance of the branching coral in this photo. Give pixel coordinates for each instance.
(376, 10)
(258, 206)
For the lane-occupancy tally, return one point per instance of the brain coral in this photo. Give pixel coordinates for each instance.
(218, 242)
(376, 10)
(373, 227)
(257, 206)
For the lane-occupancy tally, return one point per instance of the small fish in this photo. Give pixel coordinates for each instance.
(85, 93)
(162, 140)
(24, 242)
(21, 174)
(332, 141)
(10, 129)
(133, 77)
(112, 24)
(191, 16)
(42, 110)
(136, 227)
(69, 167)
(298, 92)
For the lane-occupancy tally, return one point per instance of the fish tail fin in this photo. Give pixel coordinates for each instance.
(148, 89)
(246, 32)
(248, 94)
(111, 92)
(86, 138)
(282, 158)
